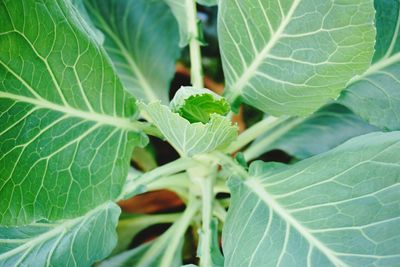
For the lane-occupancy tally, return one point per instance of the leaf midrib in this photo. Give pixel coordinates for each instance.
(257, 188)
(117, 122)
(238, 85)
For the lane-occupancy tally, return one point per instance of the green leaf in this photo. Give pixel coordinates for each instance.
(190, 139)
(375, 95)
(196, 105)
(76, 242)
(180, 10)
(327, 128)
(291, 57)
(144, 62)
(66, 129)
(340, 208)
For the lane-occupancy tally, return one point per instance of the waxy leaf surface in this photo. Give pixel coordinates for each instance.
(291, 57)
(77, 242)
(66, 129)
(340, 208)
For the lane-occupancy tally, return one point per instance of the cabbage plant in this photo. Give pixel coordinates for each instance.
(84, 84)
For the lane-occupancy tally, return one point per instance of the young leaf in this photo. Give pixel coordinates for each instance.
(61, 243)
(190, 138)
(144, 62)
(66, 130)
(291, 57)
(325, 129)
(375, 95)
(340, 208)
(196, 105)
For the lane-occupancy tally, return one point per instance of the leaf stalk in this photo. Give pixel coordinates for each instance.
(196, 70)
(134, 183)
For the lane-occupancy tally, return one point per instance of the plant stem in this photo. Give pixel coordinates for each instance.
(203, 177)
(134, 183)
(179, 180)
(207, 194)
(178, 230)
(178, 183)
(168, 243)
(255, 151)
(196, 70)
(253, 132)
(150, 219)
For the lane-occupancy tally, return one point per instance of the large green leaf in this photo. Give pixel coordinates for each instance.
(325, 129)
(66, 130)
(290, 57)
(144, 62)
(340, 208)
(188, 138)
(77, 242)
(375, 95)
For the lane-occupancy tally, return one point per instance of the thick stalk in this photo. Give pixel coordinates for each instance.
(179, 180)
(168, 243)
(253, 132)
(178, 183)
(196, 70)
(148, 220)
(179, 229)
(207, 195)
(255, 151)
(134, 183)
(203, 177)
